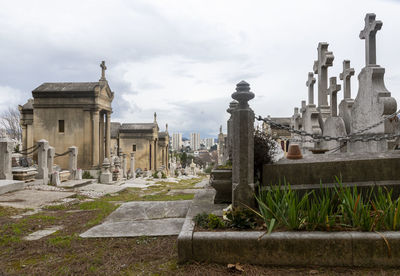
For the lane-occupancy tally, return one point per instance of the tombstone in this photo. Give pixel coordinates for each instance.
(42, 161)
(373, 101)
(132, 168)
(106, 176)
(243, 150)
(334, 126)
(325, 60)
(124, 166)
(347, 103)
(311, 114)
(6, 149)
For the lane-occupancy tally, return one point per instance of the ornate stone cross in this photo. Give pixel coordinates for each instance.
(333, 89)
(310, 84)
(369, 33)
(345, 77)
(103, 70)
(325, 59)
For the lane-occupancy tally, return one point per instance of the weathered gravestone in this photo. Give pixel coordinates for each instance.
(325, 60)
(373, 101)
(346, 104)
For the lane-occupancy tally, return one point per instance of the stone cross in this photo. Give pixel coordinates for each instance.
(303, 107)
(310, 84)
(369, 33)
(345, 77)
(103, 70)
(325, 60)
(333, 89)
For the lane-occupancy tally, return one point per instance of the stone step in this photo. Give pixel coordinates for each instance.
(75, 183)
(10, 186)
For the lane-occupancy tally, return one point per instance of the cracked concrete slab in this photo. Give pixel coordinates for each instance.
(42, 233)
(32, 198)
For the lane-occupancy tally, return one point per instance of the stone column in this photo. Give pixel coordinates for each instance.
(101, 126)
(108, 134)
(133, 174)
(50, 159)
(95, 139)
(73, 161)
(243, 151)
(6, 149)
(232, 107)
(42, 161)
(124, 165)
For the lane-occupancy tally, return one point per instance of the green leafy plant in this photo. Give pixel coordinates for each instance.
(87, 175)
(241, 218)
(215, 222)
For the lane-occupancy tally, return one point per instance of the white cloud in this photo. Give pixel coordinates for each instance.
(183, 59)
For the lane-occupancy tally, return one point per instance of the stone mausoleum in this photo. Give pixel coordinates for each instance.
(71, 113)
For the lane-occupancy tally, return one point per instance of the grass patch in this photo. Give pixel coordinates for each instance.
(103, 207)
(56, 207)
(164, 197)
(9, 211)
(63, 241)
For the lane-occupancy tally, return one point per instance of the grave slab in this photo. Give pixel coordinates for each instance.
(74, 183)
(42, 233)
(32, 198)
(102, 188)
(149, 218)
(10, 186)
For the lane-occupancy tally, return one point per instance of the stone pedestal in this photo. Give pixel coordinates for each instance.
(334, 127)
(132, 168)
(73, 161)
(6, 149)
(345, 107)
(42, 161)
(106, 175)
(243, 148)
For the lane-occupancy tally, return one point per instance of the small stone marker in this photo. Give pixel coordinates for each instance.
(333, 89)
(42, 161)
(73, 161)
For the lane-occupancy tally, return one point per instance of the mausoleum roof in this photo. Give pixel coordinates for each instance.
(28, 105)
(138, 126)
(66, 87)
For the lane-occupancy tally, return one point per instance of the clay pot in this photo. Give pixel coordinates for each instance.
(294, 152)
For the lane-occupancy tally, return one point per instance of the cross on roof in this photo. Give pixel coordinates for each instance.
(345, 77)
(369, 33)
(325, 59)
(103, 70)
(333, 89)
(310, 84)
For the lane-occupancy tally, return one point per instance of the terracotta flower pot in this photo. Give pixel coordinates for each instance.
(294, 152)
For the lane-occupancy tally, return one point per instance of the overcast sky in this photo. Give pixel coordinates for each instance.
(182, 59)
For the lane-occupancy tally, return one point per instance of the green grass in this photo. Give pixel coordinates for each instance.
(103, 207)
(341, 208)
(9, 211)
(63, 241)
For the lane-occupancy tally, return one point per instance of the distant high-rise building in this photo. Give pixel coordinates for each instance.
(195, 141)
(209, 142)
(176, 141)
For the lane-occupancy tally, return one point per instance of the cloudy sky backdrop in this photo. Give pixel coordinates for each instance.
(183, 58)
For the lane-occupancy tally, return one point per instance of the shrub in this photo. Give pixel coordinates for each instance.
(241, 218)
(264, 149)
(87, 175)
(208, 221)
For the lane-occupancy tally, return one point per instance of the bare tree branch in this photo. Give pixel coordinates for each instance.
(9, 121)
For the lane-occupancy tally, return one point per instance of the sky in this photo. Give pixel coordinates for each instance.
(183, 59)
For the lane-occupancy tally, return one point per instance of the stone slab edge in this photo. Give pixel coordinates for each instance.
(346, 249)
(12, 186)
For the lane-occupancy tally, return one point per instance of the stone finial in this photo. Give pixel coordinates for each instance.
(103, 70)
(232, 105)
(166, 127)
(369, 34)
(345, 77)
(220, 129)
(296, 110)
(325, 60)
(333, 89)
(106, 164)
(310, 84)
(243, 94)
(155, 117)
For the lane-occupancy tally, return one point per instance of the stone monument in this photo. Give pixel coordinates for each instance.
(106, 175)
(347, 103)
